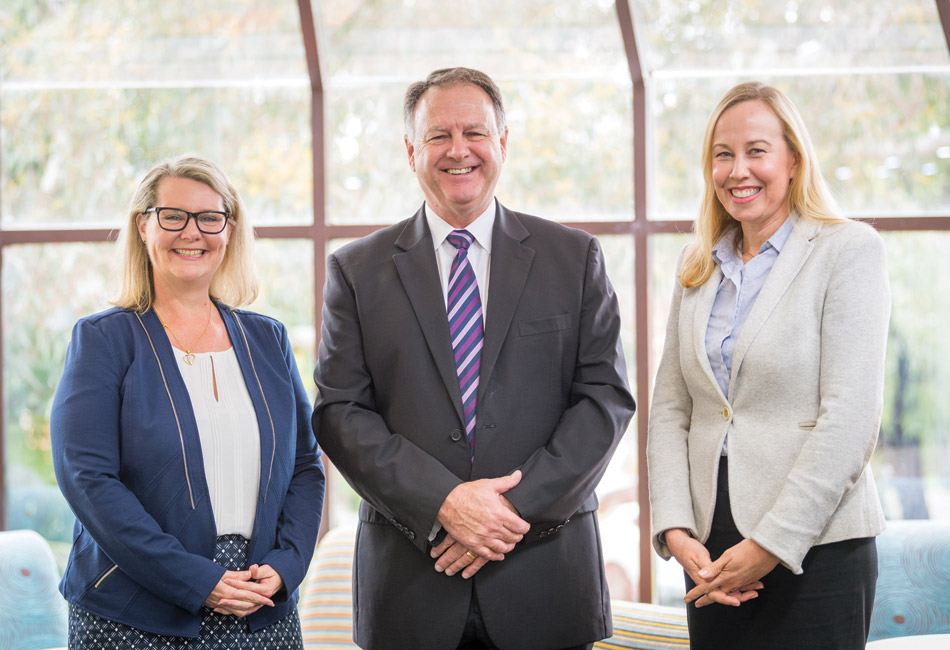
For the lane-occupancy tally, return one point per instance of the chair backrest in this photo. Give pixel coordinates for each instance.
(913, 584)
(644, 626)
(326, 599)
(32, 611)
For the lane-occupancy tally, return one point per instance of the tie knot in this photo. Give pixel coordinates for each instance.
(461, 239)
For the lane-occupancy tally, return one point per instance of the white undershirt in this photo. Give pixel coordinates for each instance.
(230, 437)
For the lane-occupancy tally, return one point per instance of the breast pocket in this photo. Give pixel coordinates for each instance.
(544, 325)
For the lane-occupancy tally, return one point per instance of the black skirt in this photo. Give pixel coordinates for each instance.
(826, 607)
(218, 631)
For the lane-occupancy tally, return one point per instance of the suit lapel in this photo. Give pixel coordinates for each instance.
(796, 251)
(419, 275)
(510, 264)
(703, 300)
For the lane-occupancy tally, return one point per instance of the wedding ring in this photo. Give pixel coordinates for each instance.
(469, 553)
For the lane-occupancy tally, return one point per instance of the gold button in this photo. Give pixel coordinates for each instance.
(725, 412)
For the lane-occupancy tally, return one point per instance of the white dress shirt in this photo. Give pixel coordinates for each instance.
(479, 253)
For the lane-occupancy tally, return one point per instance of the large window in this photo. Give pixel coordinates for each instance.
(606, 101)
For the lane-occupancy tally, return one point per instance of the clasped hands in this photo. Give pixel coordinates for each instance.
(242, 593)
(481, 525)
(734, 578)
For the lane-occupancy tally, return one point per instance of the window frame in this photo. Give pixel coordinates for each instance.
(639, 228)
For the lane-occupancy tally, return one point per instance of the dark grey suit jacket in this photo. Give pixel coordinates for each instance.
(552, 401)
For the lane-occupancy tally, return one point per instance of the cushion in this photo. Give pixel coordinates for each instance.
(913, 583)
(326, 603)
(32, 612)
(646, 627)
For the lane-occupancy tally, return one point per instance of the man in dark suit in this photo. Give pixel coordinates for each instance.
(472, 390)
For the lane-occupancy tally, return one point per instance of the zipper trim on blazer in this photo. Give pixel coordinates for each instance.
(105, 575)
(273, 431)
(181, 437)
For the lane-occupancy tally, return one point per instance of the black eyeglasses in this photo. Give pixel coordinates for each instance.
(210, 222)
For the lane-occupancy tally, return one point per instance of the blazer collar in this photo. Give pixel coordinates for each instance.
(789, 263)
(419, 274)
(417, 269)
(705, 297)
(510, 263)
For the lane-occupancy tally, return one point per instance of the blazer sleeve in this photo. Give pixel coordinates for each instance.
(299, 522)
(562, 474)
(399, 479)
(854, 323)
(667, 458)
(85, 436)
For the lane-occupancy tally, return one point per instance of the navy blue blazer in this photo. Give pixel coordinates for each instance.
(128, 459)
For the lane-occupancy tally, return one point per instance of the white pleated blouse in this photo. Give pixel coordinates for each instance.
(230, 437)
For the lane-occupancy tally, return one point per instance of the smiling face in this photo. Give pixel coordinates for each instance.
(456, 151)
(186, 259)
(752, 166)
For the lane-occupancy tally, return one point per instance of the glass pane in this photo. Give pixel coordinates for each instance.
(368, 176)
(570, 153)
(619, 511)
(344, 503)
(752, 35)
(285, 271)
(912, 459)
(883, 140)
(132, 43)
(562, 72)
(570, 150)
(414, 37)
(664, 251)
(46, 289)
(75, 156)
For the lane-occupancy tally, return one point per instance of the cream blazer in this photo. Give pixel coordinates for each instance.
(806, 396)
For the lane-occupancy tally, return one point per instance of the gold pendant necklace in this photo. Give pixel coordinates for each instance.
(189, 356)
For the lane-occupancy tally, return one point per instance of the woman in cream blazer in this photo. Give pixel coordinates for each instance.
(759, 478)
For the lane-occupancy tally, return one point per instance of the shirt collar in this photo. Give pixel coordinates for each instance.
(480, 229)
(724, 253)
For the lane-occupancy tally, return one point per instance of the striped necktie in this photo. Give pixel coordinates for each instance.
(465, 326)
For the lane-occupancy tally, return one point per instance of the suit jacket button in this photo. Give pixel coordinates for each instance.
(725, 413)
(456, 435)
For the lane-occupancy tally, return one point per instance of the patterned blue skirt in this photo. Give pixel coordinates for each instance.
(218, 631)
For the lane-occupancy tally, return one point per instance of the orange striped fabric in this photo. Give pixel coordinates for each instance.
(326, 601)
(646, 627)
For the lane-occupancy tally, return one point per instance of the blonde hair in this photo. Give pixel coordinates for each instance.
(808, 194)
(235, 281)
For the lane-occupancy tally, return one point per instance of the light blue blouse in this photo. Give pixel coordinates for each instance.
(740, 286)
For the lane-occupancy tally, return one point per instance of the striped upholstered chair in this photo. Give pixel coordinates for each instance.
(646, 627)
(326, 603)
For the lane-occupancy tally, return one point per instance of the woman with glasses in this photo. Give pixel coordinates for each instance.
(181, 438)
